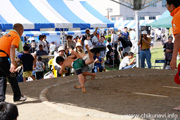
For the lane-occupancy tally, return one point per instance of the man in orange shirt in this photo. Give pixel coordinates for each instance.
(9, 42)
(173, 7)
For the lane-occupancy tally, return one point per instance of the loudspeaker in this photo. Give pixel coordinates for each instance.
(147, 28)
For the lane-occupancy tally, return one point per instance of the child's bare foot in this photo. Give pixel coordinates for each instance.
(77, 87)
(177, 108)
(83, 89)
(93, 76)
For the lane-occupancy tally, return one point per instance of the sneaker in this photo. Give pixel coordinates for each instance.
(21, 99)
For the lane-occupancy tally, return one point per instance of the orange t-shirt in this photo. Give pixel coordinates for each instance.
(11, 38)
(176, 20)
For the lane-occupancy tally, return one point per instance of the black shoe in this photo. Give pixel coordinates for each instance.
(22, 99)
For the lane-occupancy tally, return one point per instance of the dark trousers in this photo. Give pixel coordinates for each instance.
(4, 72)
(39, 75)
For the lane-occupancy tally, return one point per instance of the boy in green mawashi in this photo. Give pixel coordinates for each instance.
(76, 61)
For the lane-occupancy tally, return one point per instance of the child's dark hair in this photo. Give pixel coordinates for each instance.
(59, 59)
(170, 37)
(8, 111)
(97, 52)
(41, 36)
(109, 47)
(39, 58)
(125, 54)
(26, 48)
(69, 37)
(131, 54)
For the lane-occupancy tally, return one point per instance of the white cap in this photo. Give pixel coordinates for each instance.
(144, 32)
(78, 44)
(61, 48)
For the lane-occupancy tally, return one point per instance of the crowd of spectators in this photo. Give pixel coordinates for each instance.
(120, 49)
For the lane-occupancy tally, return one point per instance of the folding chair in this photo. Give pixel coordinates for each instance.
(159, 61)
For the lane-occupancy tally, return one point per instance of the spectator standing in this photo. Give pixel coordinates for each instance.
(41, 42)
(46, 44)
(27, 61)
(40, 67)
(125, 44)
(69, 43)
(87, 42)
(168, 49)
(173, 6)
(91, 35)
(102, 53)
(114, 39)
(145, 52)
(95, 39)
(9, 42)
(112, 55)
(52, 48)
(125, 63)
(33, 46)
(125, 33)
(132, 35)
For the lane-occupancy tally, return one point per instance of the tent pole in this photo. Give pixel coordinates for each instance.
(137, 39)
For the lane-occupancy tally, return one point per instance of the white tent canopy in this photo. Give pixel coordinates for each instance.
(38, 14)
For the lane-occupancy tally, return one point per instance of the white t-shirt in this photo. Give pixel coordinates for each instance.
(52, 47)
(40, 43)
(87, 42)
(124, 62)
(132, 35)
(114, 37)
(94, 39)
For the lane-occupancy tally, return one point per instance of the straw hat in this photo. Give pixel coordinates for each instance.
(61, 48)
(78, 44)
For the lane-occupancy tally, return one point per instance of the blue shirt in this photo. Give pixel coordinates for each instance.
(125, 35)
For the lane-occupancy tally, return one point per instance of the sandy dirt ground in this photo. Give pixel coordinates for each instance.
(136, 91)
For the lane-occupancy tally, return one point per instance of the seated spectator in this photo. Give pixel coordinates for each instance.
(125, 63)
(39, 68)
(41, 51)
(98, 63)
(41, 37)
(8, 111)
(168, 49)
(61, 53)
(112, 55)
(79, 48)
(125, 54)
